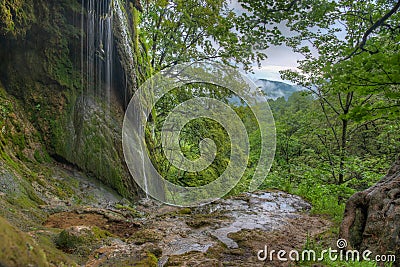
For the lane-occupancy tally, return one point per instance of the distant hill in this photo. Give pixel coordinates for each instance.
(275, 89)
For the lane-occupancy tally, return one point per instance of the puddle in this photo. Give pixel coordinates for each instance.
(267, 211)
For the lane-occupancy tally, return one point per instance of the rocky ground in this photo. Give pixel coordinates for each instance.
(227, 232)
(89, 224)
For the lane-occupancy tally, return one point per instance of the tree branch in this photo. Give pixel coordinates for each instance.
(370, 30)
(378, 23)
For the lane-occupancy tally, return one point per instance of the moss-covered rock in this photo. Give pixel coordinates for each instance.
(55, 257)
(19, 249)
(18, 138)
(41, 68)
(81, 240)
(16, 17)
(146, 235)
(91, 139)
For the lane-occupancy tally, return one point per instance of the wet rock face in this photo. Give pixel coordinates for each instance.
(92, 141)
(40, 66)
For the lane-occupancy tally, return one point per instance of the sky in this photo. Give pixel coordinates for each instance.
(279, 57)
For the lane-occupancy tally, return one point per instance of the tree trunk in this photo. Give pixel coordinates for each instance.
(372, 217)
(342, 151)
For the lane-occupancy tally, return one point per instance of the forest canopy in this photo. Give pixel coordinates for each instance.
(341, 132)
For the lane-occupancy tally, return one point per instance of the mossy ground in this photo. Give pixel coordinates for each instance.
(30, 180)
(19, 249)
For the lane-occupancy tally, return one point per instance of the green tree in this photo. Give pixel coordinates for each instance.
(191, 30)
(351, 52)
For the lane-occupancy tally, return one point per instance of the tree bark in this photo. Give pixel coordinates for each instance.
(343, 151)
(372, 217)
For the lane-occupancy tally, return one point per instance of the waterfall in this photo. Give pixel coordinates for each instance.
(102, 22)
(146, 186)
(105, 26)
(109, 58)
(98, 49)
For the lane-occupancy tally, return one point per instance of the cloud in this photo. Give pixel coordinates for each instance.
(270, 72)
(237, 7)
(279, 57)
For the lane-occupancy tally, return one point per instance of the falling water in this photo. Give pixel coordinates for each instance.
(124, 31)
(146, 188)
(128, 52)
(98, 48)
(101, 21)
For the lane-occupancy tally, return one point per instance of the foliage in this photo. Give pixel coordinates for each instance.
(184, 31)
(303, 160)
(344, 134)
(333, 139)
(190, 137)
(355, 90)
